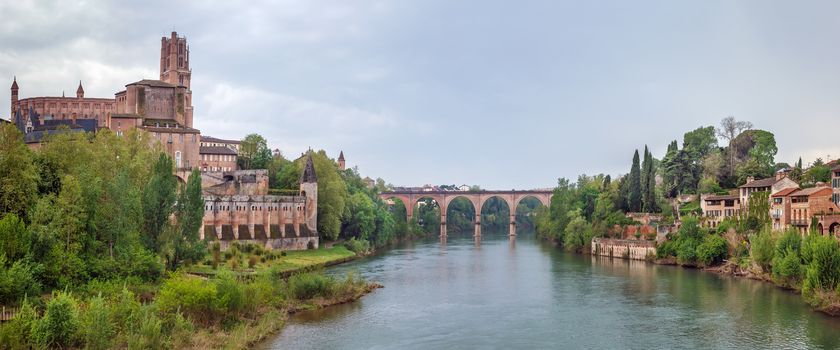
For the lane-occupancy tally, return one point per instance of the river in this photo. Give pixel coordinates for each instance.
(501, 293)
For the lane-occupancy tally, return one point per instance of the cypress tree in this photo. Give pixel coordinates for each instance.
(634, 198)
(649, 183)
(646, 165)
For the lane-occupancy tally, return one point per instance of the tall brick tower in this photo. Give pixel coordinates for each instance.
(14, 97)
(175, 69)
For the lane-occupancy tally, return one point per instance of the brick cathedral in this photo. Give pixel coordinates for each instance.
(238, 206)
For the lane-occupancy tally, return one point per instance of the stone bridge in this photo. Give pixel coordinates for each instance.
(477, 198)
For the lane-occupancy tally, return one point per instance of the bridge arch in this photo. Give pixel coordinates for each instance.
(474, 218)
(411, 196)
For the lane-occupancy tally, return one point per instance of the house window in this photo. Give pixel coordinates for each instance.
(177, 159)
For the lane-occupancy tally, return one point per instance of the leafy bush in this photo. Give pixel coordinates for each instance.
(141, 263)
(97, 328)
(824, 268)
(125, 310)
(229, 298)
(16, 333)
(712, 251)
(360, 247)
(252, 261)
(666, 249)
(15, 239)
(149, 335)
(58, 327)
(790, 240)
(787, 269)
(309, 285)
(192, 296)
(17, 281)
(762, 249)
(687, 251)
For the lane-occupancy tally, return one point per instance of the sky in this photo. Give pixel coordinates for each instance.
(501, 94)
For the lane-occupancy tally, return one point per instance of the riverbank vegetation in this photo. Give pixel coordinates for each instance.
(99, 248)
(669, 188)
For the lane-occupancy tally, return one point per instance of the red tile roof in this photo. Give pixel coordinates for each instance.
(785, 192)
(722, 197)
(810, 191)
(760, 183)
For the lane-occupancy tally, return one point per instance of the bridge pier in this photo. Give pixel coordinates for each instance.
(513, 225)
(477, 225)
(443, 225)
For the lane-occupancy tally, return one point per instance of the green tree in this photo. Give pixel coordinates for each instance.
(15, 240)
(18, 174)
(634, 199)
(254, 153)
(186, 244)
(577, 233)
(360, 218)
(817, 172)
(158, 202)
(332, 191)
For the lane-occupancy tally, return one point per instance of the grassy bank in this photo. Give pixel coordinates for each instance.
(251, 259)
(218, 308)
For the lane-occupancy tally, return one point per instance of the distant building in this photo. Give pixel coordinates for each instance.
(341, 163)
(807, 203)
(717, 208)
(370, 183)
(161, 107)
(780, 208)
(238, 207)
(772, 185)
(209, 141)
(835, 184)
(218, 154)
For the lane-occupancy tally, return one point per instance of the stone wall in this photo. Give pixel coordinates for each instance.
(623, 248)
(288, 243)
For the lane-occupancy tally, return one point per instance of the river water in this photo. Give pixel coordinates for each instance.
(501, 293)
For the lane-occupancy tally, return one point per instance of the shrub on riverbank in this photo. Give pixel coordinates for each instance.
(182, 304)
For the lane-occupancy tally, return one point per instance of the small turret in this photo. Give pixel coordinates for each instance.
(309, 190)
(80, 92)
(341, 160)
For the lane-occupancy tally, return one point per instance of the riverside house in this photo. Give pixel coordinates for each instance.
(716, 208)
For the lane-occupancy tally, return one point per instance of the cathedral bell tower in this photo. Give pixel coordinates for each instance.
(175, 70)
(14, 98)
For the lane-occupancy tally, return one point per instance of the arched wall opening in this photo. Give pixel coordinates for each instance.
(495, 216)
(526, 211)
(460, 216)
(426, 218)
(398, 209)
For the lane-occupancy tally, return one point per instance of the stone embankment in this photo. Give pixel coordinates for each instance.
(624, 248)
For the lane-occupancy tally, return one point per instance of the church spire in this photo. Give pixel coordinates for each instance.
(308, 175)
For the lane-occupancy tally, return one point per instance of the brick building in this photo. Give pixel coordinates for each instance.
(716, 208)
(238, 207)
(807, 203)
(771, 184)
(835, 184)
(161, 107)
(780, 208)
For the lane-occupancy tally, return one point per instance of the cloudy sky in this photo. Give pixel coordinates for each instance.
(503, 94)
